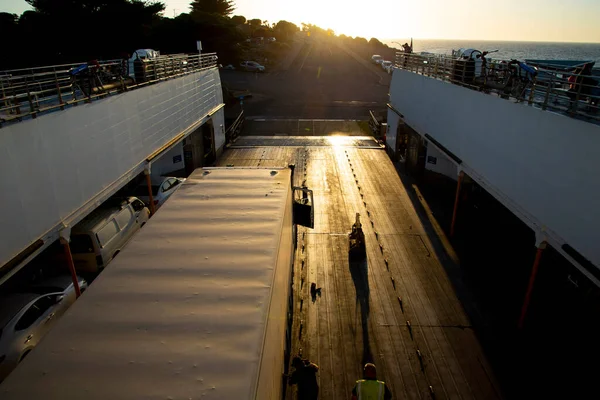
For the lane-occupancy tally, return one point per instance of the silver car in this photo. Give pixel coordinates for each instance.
(387, 66)
(60, 283)
(252, 66)
(24, 320)
(162, 189)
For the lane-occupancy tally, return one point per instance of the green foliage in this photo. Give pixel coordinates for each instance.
(238, 20)
(285, 31)
(263, 32)
(109, 29)
(255, 23)
(360, 41)
(63, 31)
(220, 7)
(316, 31)
(375, 43)
(8, 19)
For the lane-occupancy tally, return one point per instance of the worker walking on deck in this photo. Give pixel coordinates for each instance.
(370, 388)
(305, 376)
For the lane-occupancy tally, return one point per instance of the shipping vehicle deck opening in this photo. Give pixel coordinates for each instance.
(197, 305)
(405, 316)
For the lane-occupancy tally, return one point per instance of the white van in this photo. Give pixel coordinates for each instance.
(100, 236)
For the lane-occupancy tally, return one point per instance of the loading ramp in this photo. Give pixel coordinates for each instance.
(405, 316)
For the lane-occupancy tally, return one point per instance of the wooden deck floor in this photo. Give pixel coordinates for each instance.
(399, 309)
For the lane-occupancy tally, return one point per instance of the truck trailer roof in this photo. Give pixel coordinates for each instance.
(195, 305)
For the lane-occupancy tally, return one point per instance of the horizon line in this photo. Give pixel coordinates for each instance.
(496, 40)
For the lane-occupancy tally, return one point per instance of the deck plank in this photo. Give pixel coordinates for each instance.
(358, 317)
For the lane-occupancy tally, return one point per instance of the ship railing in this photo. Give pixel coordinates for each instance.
(235, 129)
(574, 92)
(30, 92)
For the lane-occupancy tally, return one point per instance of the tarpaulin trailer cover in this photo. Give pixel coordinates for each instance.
(194, 307)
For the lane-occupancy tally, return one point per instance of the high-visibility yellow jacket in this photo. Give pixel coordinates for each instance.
(370, 389)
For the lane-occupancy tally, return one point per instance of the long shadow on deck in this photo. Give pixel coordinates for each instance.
(360, 277)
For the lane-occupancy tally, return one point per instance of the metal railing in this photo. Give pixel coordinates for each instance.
(374, 125)
(235, 129)
(29, 92)
(572, 91)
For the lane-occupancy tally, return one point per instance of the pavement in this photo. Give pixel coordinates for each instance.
(384, 77)
(305, 127)
(322, 81)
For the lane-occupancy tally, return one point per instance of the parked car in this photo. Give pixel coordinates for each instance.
(387, 66)
(376, 59)
(100, 236)
(60, 283)
(24, 320)
(162, 188)
(229, 67)
(252, 66)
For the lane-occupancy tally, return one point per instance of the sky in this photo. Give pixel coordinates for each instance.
(521, 20)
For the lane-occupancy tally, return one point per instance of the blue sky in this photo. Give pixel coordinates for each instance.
(527, 20)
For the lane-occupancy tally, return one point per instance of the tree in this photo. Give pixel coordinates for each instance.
(90, 7)
(285, 31)
(134, 19)
(220, 7)
(255, 23)
(360, 41)
(8, 19)
(263, 32)
(374, 42)
(9, 29)
(238, 20)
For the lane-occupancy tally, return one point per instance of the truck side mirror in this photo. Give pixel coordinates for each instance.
(303, 207)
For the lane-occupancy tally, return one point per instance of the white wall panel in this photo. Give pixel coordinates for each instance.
(545, 163)
(50, 166)
(171, 160)
(392, 134)
(437, 161)
(218, 120)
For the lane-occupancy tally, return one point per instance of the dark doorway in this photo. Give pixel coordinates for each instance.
(415, 153)
(208, 143)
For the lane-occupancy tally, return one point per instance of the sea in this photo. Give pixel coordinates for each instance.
(509, 50)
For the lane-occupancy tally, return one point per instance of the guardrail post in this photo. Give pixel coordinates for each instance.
(577, 96)
(3, 93)
(60, 100)
(461, 176)
(150, 195)
(547, 95)
(90, 86)
(16, 103)
(29, 99)
(532, 91)
(65, 237)
(536, 264)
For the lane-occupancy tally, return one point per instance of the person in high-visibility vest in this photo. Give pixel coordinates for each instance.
(370, 388)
